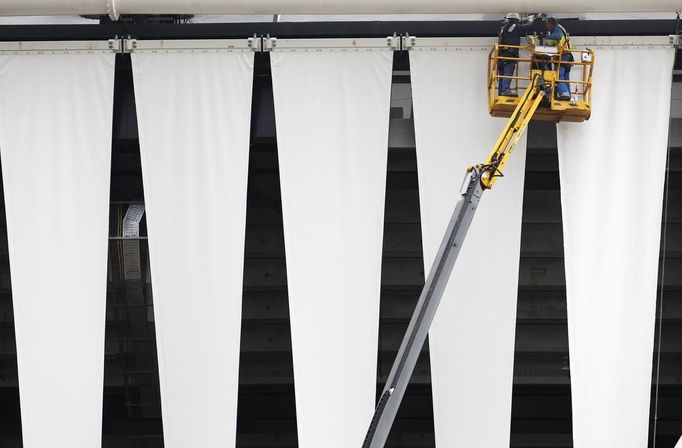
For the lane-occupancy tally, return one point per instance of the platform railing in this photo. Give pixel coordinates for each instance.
(580, 82)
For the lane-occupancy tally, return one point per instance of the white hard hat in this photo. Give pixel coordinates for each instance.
(513, 15)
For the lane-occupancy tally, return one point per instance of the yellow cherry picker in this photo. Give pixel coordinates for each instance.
(537, 77)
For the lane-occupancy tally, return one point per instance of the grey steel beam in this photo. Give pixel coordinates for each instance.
(425, 312)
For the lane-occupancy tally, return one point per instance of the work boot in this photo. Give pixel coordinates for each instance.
(508, 93)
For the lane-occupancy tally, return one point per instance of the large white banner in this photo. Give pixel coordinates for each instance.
(612, 176)
(332, 114)
(55, 139)
(472, 337)
(194, 115)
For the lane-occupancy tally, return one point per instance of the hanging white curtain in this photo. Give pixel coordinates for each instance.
(194, 115)
(472, 338)
(332, 113)
(55, 139)
(612, 175)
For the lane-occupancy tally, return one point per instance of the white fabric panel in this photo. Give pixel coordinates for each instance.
(612, 175)
(679, 443)
(194, 115)
(55, 136)
(472, 337)
(332, 113)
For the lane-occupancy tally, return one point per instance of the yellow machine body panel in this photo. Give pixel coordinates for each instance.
(546, 62)
(532, 96)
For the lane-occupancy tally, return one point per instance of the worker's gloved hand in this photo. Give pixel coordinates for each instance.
(530, 18)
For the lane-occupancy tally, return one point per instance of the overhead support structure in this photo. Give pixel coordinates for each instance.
(266, 44)
(114, 8)
(252, 44)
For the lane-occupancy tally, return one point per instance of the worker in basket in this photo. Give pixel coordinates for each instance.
(558, 37)
(510, 34)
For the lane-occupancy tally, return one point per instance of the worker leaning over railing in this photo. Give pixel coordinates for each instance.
(510, 35)
(558, 37)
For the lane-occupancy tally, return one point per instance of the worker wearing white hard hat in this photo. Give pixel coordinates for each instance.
(510, 36)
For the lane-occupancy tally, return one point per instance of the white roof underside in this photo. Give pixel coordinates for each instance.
(222, 18)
